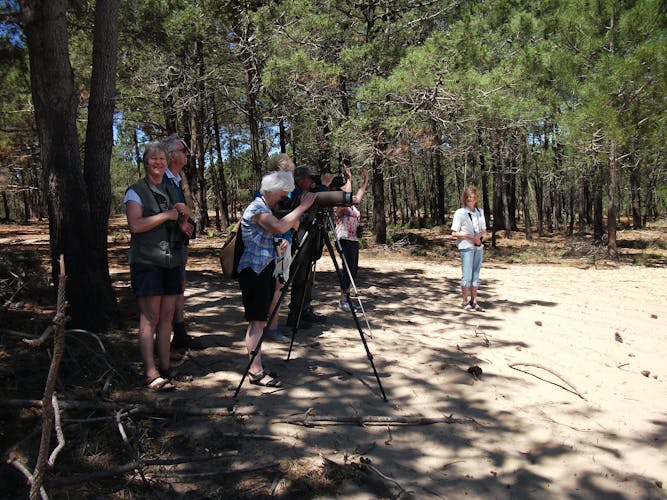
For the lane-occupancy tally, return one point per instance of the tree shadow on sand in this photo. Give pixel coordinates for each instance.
(422, 344)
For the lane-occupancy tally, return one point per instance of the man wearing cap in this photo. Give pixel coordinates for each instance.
(304, 178)
(177, 158)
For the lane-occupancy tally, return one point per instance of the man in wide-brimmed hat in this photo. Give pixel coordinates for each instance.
(306, 180)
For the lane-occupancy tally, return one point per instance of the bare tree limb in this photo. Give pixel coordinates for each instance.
(311, 420)
(136, 464)
(47, 402)
(175, 407)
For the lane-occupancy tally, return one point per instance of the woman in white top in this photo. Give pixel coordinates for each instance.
(469, 228)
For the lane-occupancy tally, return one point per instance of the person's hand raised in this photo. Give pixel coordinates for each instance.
(326, 179)
(307, 200)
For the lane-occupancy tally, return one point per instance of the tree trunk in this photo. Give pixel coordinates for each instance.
(498, 219)
(137, 154)
(5, 204)
(439, 217)
(406, 199)
(377, 185)
(201, 127)
(393, 204)
(224, 208)
(231, 149)
(485, 179)
(24, 196)
(168, 104)
(581, 201)
(611, 209)
(198, 184)
(525, 194)
(55, 100)
(539, 199)
(252, 85)
(507, 205)
(598, 229)
(215, 185)
(635, 195)
(571, 210)
(99, 143)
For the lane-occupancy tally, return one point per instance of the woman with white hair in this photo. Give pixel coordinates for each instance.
(255, 269)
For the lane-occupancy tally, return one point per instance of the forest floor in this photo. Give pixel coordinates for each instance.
(570, 403)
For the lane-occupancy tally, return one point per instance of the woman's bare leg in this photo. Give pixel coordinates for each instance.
(252, 336)
(167, 307)
(149, 314)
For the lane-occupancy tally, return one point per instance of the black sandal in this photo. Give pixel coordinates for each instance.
(256, 379)
(173, 374)
(160, 384)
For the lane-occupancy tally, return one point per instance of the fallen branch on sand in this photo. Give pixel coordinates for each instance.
(570, 387)
(309, 420)
(171, 408)
(136, 464)
(177, 476)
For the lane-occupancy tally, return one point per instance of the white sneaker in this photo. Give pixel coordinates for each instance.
(344, 306)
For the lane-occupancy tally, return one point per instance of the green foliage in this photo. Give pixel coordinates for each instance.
(385, 83)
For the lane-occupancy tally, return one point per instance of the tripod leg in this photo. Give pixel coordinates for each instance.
(350, 277)
(302, 300)
(330, 248)
(296, 262)
(253, 355)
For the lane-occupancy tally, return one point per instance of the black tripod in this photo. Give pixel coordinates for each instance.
(315, 228)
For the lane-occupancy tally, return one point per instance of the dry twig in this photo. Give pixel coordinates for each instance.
(18, 465)
(130, 450)
(570, 387)
(59, 432)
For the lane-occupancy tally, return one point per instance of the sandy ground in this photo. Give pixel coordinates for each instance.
(571, 403)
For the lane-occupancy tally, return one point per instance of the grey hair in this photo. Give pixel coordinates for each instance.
(172, 143)
(153, 147)
(281, 161)
(276, 182)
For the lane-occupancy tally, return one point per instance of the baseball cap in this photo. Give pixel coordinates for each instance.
(303, 171)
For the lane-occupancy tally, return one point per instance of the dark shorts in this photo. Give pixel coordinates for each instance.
(351, 251)
(149, 280)
(257, 292)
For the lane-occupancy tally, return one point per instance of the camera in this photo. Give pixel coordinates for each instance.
(481, 240)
